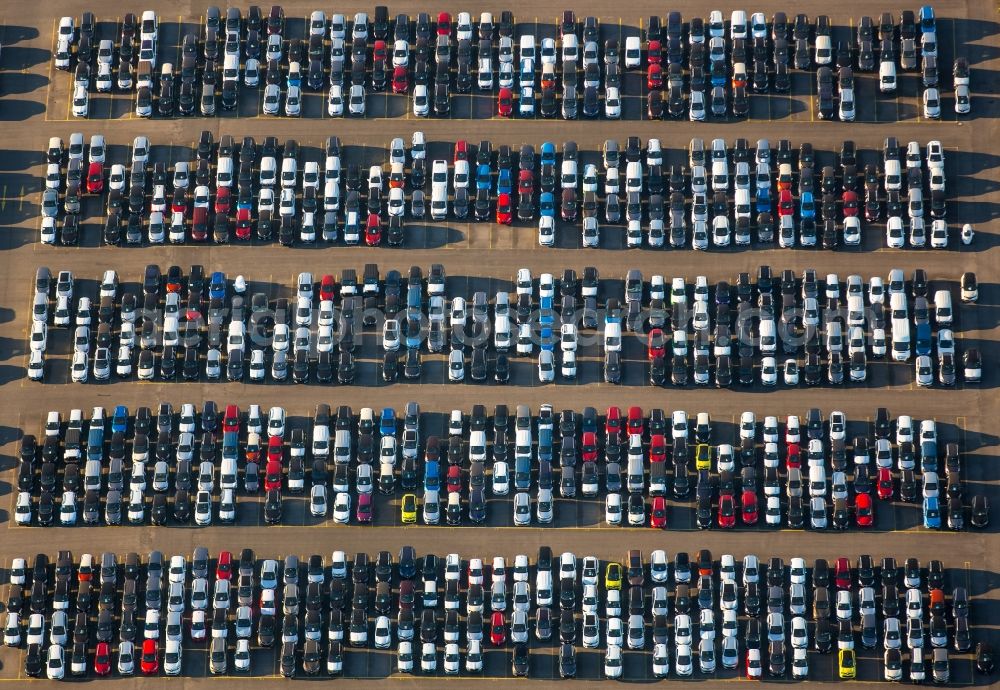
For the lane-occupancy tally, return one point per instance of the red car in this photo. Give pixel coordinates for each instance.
(102, 659)
(243, 224)
(885, 484)
(749, 507)
(498, 631)
(658, 516)
(851, 204)
(658, 448)
(525, 182)
(505, 102)
(95, 178)
(373, 230)
(786, 206)
(613, 425)
(222, 200)
(149, 664)
(199, 224)
(842, 574)
(224, 568)
(365, 507)
(379, 50)
(504, 214)
(275, 450)
(727, 512)
(400, 80)
(654, 52)
(444, 24)
(179, 203)
(793, 456)
(636, 425)
(272, 475)
(231, 419)
(657, 346)
(588, 446)
(654, 79)
(864, 510)
(454, 480)
(461, 150)
(548, 80)
(327, 288)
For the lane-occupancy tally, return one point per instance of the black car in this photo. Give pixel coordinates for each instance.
(567, 661)
(985, 662)
(272, 507)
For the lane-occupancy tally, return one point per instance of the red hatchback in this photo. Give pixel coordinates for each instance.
(864, 510)
(793, 456)
(444, 24)
(657, 346)
(272, 475)
(327, 288)
(654, 79)
(365, 507)
(461, 150)
(400, 80)
(654, 52)
(380, 51)
(454, 480)
(588, 446)
(231, 419)
(504, 213)
(525, 182)
(275, 449)
(658, 515)
(658, 448)
(243, 224)
(636, 424)
(727, 512)
(150, 665)
(842, 574)
(885, 484)
(373, 230)
(850, 200)
(102, 659)
(613, 424)
(222, 200)
(224, 568)
(498, 630)
(748, 504)
(505, 102)
(95, 178)
(199, 224)
(786, 206)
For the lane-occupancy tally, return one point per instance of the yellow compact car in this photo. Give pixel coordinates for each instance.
(848, 664)
(703, 456)
(613, 576)
(409, 509)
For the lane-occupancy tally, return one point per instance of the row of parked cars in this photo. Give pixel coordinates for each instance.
(360, 602)
(793, 472)
(722, 196)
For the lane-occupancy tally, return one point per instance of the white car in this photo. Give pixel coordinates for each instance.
(939, 234)
(932, 104)
(356, 100)
(335, 101)
(342, 508)
(272, 99)
(846, 107)
(963, 103)
(81, 102)
(696, 106)
(546, 367)
(895, 236)
(683, 662)
(661, 661)
(613, 509)
(421, 101)
(612, 108)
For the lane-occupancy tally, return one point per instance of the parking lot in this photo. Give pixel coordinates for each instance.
(35, 105)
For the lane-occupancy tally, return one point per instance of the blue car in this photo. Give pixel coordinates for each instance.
(217, 286)
(763, 200)
(923, 339)
(483, 177)
(504, 184)
(547, 205)
(932, 513)
(119, 420)
(95, 443)
(807, 206)
(547, 341)
(387, 422)
(927, 21)
(548, 153)
(432, 477)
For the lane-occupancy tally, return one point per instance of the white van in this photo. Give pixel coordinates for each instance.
(633, 177)
(855, 310)
(943, 313)
(502, 333)
(834, 337)
(887, 76)
(342, 446)
(720, 176)
(893, 176)
(612, 337)
(527, 47)
(900, 340)
(439, 202)
(227, 476)
(768, 337)
(224, 172)
(522, 443)
(743, 208)
(477, 446)
(634, 480)
(231, 68)
(633, 52)
(321, 441)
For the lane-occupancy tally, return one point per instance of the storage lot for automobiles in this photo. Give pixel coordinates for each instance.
(36, 101)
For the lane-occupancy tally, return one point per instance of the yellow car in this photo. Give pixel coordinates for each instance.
(703, 456)
(613, 576)
(409, 509)
(848, 664)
